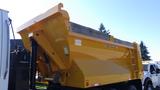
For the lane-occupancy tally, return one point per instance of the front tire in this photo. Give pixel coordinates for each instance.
(149, 87)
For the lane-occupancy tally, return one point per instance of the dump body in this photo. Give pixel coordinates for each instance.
(83, 60)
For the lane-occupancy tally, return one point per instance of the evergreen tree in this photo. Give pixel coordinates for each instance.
(144, 52)
(103, 30)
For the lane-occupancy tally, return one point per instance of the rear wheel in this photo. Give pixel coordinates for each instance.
(131, 87)
(112, 89)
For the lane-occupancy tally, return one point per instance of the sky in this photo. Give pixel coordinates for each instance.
(130, 20)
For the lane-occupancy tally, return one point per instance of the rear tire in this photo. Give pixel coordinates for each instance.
(131, 87)
(112, 89)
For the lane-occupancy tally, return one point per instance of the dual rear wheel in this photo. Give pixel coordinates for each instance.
(131, 87)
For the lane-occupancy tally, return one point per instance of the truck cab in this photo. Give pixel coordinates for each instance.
(151, 77)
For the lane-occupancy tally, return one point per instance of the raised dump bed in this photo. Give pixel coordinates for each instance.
(83, 57)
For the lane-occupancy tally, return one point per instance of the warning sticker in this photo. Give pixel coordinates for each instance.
(78, 42)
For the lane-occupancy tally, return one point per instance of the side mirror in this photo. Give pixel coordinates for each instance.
(153, 72)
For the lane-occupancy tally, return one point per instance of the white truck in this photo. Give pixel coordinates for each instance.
(151, 79)
(4, 50)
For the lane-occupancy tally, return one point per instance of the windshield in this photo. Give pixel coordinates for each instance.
(145, 67)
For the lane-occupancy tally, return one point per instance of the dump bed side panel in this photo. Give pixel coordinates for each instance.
(99, 60)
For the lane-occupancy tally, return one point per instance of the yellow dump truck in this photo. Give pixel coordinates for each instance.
(71, 56)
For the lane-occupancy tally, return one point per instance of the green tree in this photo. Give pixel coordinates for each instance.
(144, 52)
(103, 30)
